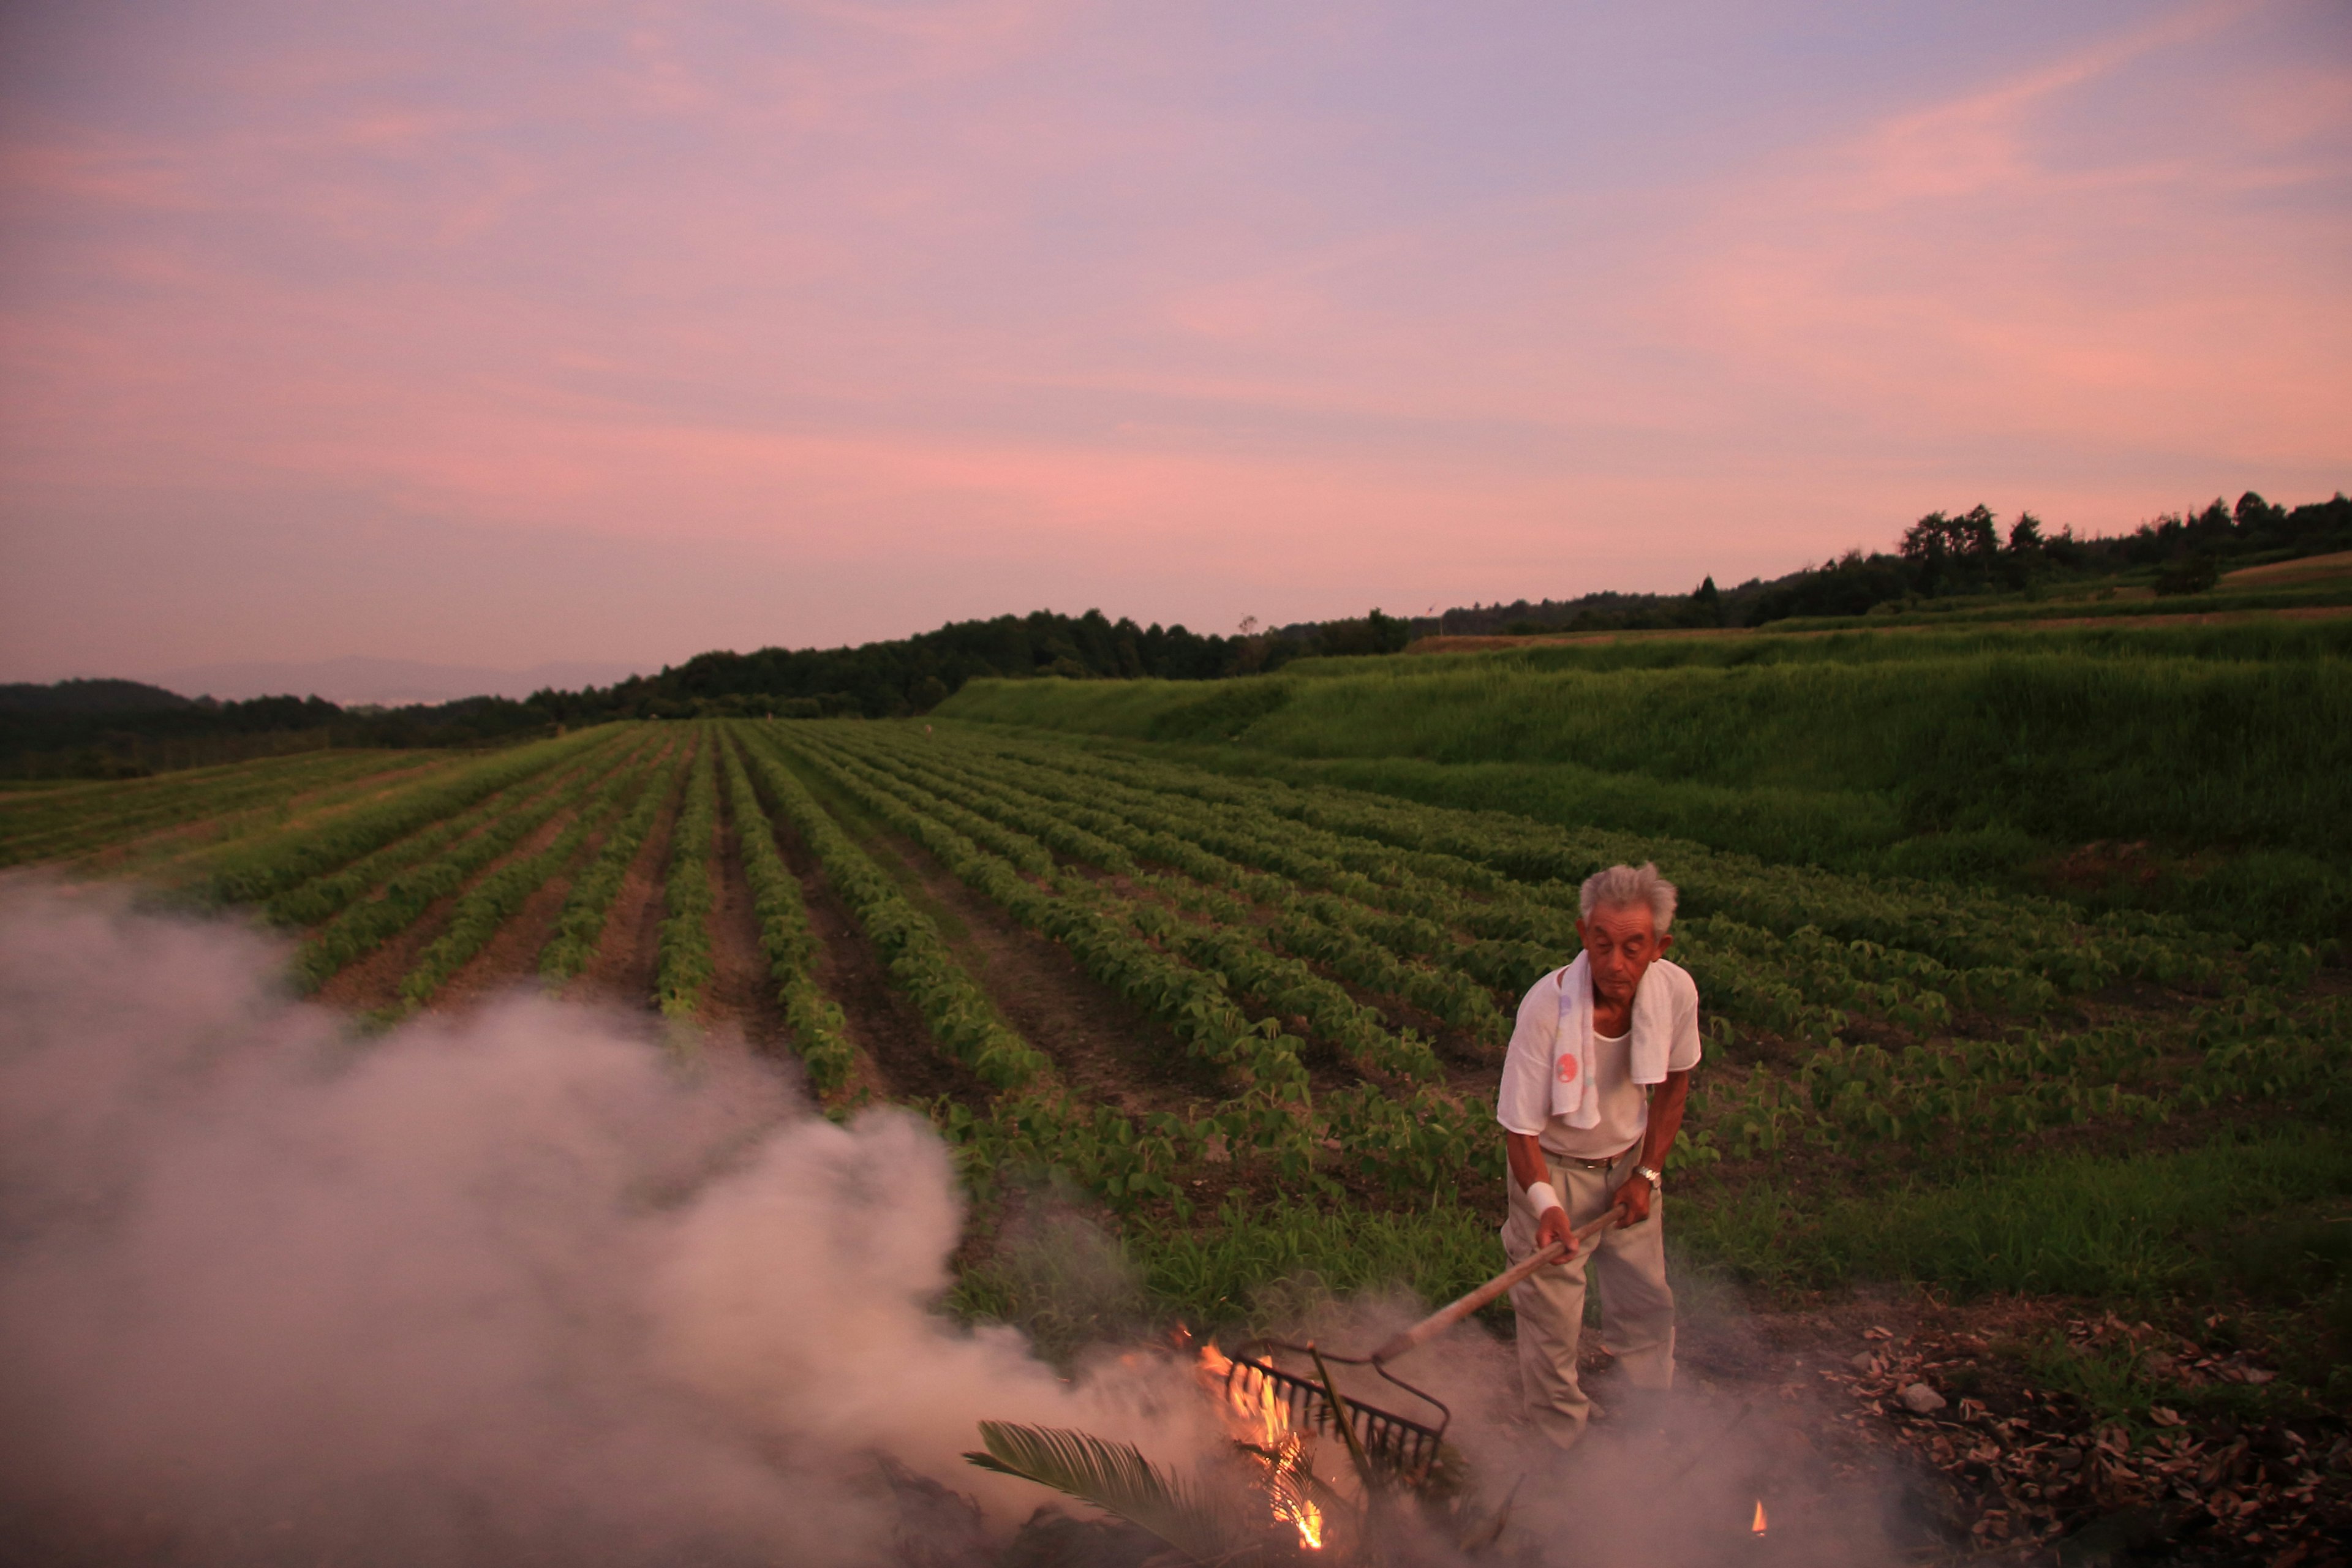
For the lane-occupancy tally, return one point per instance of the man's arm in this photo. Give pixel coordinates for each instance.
(1529, 1166)
(1665, 1120)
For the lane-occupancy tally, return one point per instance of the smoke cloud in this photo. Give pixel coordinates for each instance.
(516, 1287)
(513, 1288)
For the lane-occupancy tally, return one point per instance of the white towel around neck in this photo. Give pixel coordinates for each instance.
(1573, 1095)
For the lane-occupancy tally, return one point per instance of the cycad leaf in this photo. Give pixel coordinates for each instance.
(1116, 1479)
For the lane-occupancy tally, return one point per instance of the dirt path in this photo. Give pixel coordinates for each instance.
(741, 997)
(1105, 1047)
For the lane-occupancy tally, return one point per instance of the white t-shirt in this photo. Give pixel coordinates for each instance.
(1524, 1103)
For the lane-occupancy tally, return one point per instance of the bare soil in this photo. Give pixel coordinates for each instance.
(1997, 1462)
(741, 998)
(628, 955)
(375, 981)
(1104, 1045)
(897, 1058)
(510, 959)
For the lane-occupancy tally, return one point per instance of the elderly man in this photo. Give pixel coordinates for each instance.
(1593, 1094)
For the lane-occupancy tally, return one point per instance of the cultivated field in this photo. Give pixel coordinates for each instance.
(2092, 1165)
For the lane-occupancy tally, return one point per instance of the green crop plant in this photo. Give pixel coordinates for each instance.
(580, 925)
(57, 825)
(363, 927)
(684, 964)
(1097, 928)
(253, 871)
(492, 901)
(961, 1016)
(1234, 949)
(819, 1031)
(323, 897)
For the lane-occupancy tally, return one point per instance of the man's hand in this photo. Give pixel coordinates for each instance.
(1634, 1197)
(1552, 1226)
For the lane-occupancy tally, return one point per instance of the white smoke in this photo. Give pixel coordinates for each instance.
(511, 1289)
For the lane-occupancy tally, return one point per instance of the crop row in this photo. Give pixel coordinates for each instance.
(365, 927)
(580, 925)
(1362, 945)
(1038, 1123)
(960, 1015)
(323, 897)
(1795, 983)
(496, 899)
(1411, 1137)
(1227, 941)
(685, 966)
(2244, 1049)
(819, 1031)
(1959, 928)
(1097, 928)
(1411, 936)
(1960, 1087)
(258, 870)
(61, 824)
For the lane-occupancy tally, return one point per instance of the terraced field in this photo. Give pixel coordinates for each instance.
(1259, 1022)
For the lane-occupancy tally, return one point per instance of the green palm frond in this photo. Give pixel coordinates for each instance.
(1118, 1478)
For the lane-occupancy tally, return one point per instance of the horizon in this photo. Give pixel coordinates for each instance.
(483, 341)
(364, 681)
(360, 680)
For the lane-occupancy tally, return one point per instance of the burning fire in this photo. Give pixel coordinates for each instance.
(1758, 1527)
(1255, 1415)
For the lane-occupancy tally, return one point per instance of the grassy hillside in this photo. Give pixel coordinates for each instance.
(2212, 764)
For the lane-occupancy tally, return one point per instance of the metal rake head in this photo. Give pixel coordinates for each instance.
(1405, 1447)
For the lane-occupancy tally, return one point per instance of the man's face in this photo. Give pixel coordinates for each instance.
(1621, 943)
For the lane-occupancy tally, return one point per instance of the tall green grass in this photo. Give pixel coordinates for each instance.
(1975, 756)
(2064, 746)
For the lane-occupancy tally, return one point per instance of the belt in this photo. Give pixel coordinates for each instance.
(1579, 1161)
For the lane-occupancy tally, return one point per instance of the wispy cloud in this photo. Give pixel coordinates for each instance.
(1191, 312)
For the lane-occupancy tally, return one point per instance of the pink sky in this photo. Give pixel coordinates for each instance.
(499, 333)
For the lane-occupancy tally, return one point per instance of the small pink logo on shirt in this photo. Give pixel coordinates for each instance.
(1568, 1069)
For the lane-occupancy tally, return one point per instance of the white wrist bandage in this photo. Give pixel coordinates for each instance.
(1541, 1197)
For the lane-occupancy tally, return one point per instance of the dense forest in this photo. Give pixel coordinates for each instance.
(113, 728)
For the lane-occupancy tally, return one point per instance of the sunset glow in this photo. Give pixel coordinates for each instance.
(497, 334)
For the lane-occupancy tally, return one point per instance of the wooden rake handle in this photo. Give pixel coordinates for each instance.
(1453, 1312)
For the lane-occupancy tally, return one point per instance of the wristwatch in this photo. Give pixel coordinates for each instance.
(1655, 1178)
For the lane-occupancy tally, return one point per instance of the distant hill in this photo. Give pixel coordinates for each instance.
(97, 727)
(80, 697)
(387, 682)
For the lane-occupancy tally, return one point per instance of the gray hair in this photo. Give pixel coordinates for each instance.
(1630, 888)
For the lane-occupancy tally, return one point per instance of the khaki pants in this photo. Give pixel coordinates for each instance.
(1637, 1308)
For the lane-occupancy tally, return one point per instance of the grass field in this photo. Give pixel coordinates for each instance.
(1252, 1012)
(2200, 771)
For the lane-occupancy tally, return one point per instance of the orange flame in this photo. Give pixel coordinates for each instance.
(1758, 1528)
(1256, 1415)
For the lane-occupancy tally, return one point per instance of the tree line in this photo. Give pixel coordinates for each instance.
(1946, 555)
(112, 728)
(127, 729)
